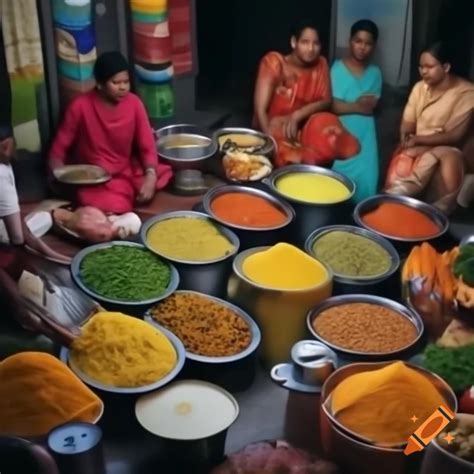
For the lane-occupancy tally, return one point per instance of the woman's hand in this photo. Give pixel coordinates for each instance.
(366, 104)
(147, 191)
(291, 127)
(410, 141)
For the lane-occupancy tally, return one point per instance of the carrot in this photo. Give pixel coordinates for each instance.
(453, 254)
(414, 262)
(428, 260)
(445, 278)
(406, 271)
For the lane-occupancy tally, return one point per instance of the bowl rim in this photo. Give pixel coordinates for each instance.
(216, 191)
(369, 234)
(240, 257)
(277, 173)
(231, 236)
(255, 332)
(180, 360)
(463, 462)
(268, 147)
(167, 128)
(438, 217)
(409, 313)
(370, 366)
(199, 382)
(75, 270)
(188, 134)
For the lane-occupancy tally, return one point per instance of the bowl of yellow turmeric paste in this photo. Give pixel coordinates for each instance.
(370, 410)
(123, 354)
(278, 285)
(319, 196)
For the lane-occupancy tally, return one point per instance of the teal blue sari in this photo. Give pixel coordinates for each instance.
(363, 169)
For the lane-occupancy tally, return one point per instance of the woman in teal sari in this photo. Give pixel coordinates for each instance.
(356, 89)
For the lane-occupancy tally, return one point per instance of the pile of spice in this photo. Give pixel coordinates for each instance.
(379, 404)
(247, 210)
(349, 254)
(38, 392)
(312, 188)
(188, 238)
(284, 267)
(462, 430)
(365, 327)
(122, 351)
(400, 221)
(125, 273)
(205, 326)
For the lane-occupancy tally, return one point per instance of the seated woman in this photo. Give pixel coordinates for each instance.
(109, 127)
(356, 88)
(429, 163)
(292, 97)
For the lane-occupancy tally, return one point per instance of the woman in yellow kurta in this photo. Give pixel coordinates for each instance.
(429, 162)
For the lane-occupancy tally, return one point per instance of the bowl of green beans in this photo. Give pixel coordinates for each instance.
(123, 273)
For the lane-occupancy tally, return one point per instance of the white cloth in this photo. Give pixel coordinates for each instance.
(8, 196)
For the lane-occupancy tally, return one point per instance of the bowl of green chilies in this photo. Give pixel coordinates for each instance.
(123, 273)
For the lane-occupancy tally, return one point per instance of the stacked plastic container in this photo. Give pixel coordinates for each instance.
(181, 36)
(75, 47)
(152, 50)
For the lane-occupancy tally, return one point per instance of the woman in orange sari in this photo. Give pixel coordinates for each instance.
(429, 163)
(292, 97)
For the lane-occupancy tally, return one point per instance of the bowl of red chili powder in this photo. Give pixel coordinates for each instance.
(401, 218)
(258, 218)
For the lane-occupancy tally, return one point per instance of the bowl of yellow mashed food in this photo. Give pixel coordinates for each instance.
(123, 354)
(318, 195)
(200, 248)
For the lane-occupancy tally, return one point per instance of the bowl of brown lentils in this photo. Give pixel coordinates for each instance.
(365, 326)
(212, 330)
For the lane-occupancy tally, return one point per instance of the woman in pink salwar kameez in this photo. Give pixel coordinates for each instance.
(109, 127)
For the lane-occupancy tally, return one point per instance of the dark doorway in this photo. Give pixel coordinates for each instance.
(234, 34)
(445, 20)
(456, 23)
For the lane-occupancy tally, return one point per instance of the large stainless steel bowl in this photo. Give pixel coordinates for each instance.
(254, 331)
(311, 216)
(355, 284)
(180, 359)
(181, 157)
(267, 149)
(208, 277)
(76, 276)
(335, 301)
(252, 236)
(432, 212)
(349, 448)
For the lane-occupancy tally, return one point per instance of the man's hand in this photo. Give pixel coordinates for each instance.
(147, 191)
(7, 150)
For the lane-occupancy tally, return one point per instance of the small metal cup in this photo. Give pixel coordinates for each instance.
(314, 362)
(77, 448)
